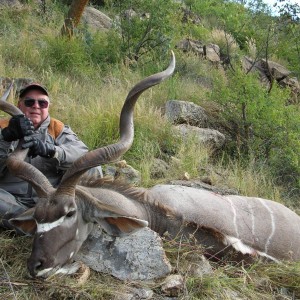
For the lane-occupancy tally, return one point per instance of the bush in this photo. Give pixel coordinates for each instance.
(147, 30)
(66, 55)
(262, 125)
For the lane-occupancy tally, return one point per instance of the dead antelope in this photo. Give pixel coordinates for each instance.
(64, 217)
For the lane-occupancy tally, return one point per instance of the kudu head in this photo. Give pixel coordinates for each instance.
(63, 218)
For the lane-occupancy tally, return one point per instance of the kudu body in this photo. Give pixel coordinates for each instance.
(64, 217)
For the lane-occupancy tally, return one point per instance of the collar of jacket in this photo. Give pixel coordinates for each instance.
(54, 126)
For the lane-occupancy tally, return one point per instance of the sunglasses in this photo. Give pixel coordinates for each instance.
(42, 103)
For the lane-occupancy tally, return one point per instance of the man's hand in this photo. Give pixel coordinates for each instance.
(37, 147)
(18, 127)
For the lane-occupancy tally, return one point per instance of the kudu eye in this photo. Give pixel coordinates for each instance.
(71, 213)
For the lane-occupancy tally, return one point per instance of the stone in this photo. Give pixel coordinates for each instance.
(178, 112)
(205, 136)
(96, 19)
(172, 285)
(138, 256)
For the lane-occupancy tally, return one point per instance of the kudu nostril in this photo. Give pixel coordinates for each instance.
(38, 266)
(35, 267)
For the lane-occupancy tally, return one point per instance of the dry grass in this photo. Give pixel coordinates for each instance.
(225, 281)
(251, 180)
(225, 41)
(90, 103)
(251, 47)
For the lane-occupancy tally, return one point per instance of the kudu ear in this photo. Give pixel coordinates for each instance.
(113, 220)
(122, 225)
(25, 222)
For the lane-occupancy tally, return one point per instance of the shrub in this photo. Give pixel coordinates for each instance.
(262, 125)
(66, 55)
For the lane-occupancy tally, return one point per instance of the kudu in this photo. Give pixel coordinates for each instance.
(63, 218)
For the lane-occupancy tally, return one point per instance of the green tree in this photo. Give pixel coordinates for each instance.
(145, 26)
(262, 125)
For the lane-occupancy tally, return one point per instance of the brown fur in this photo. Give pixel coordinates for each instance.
(138, 194)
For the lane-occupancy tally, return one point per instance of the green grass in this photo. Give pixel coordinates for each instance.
(88, 88)
(226, 280)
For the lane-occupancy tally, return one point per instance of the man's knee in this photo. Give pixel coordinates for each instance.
(9, 208)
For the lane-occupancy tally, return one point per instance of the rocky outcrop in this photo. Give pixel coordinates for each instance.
(270, 71)
(191, 120)
(209, 51)
(206, 136)
(138, 256)
(95, 19)
(179, 112)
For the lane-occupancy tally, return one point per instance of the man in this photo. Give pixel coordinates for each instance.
(52, 145)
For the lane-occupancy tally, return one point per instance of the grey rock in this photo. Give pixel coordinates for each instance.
(173, 285)
(159, 168)
(127, 174)
(96, 19)
(212, 52)
(200, 267)
(138, 256)
(189, 45)
(135, 294)
(205, 136)
(179, 112)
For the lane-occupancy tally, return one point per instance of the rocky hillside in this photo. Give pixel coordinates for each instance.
(227, 121)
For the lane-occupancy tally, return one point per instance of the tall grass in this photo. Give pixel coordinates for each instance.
(250, 179)
(88, 87)
(89, 97)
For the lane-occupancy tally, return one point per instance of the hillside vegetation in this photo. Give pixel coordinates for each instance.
(89, 76)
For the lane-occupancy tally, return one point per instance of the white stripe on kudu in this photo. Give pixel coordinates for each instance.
(44, 227)
(238, 245)
(268, 241)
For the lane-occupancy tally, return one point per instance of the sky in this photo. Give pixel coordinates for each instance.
(271, 2)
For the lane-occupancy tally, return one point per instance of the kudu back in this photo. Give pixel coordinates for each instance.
(63, 218)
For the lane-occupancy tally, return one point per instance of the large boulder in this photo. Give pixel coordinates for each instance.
(190, 45)
(178, 112)
(277, 71)
(205, 136)
(249, 65)
(191, 120)
(211, 52)
(139, 256)
(96, 19)
(270, 70)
